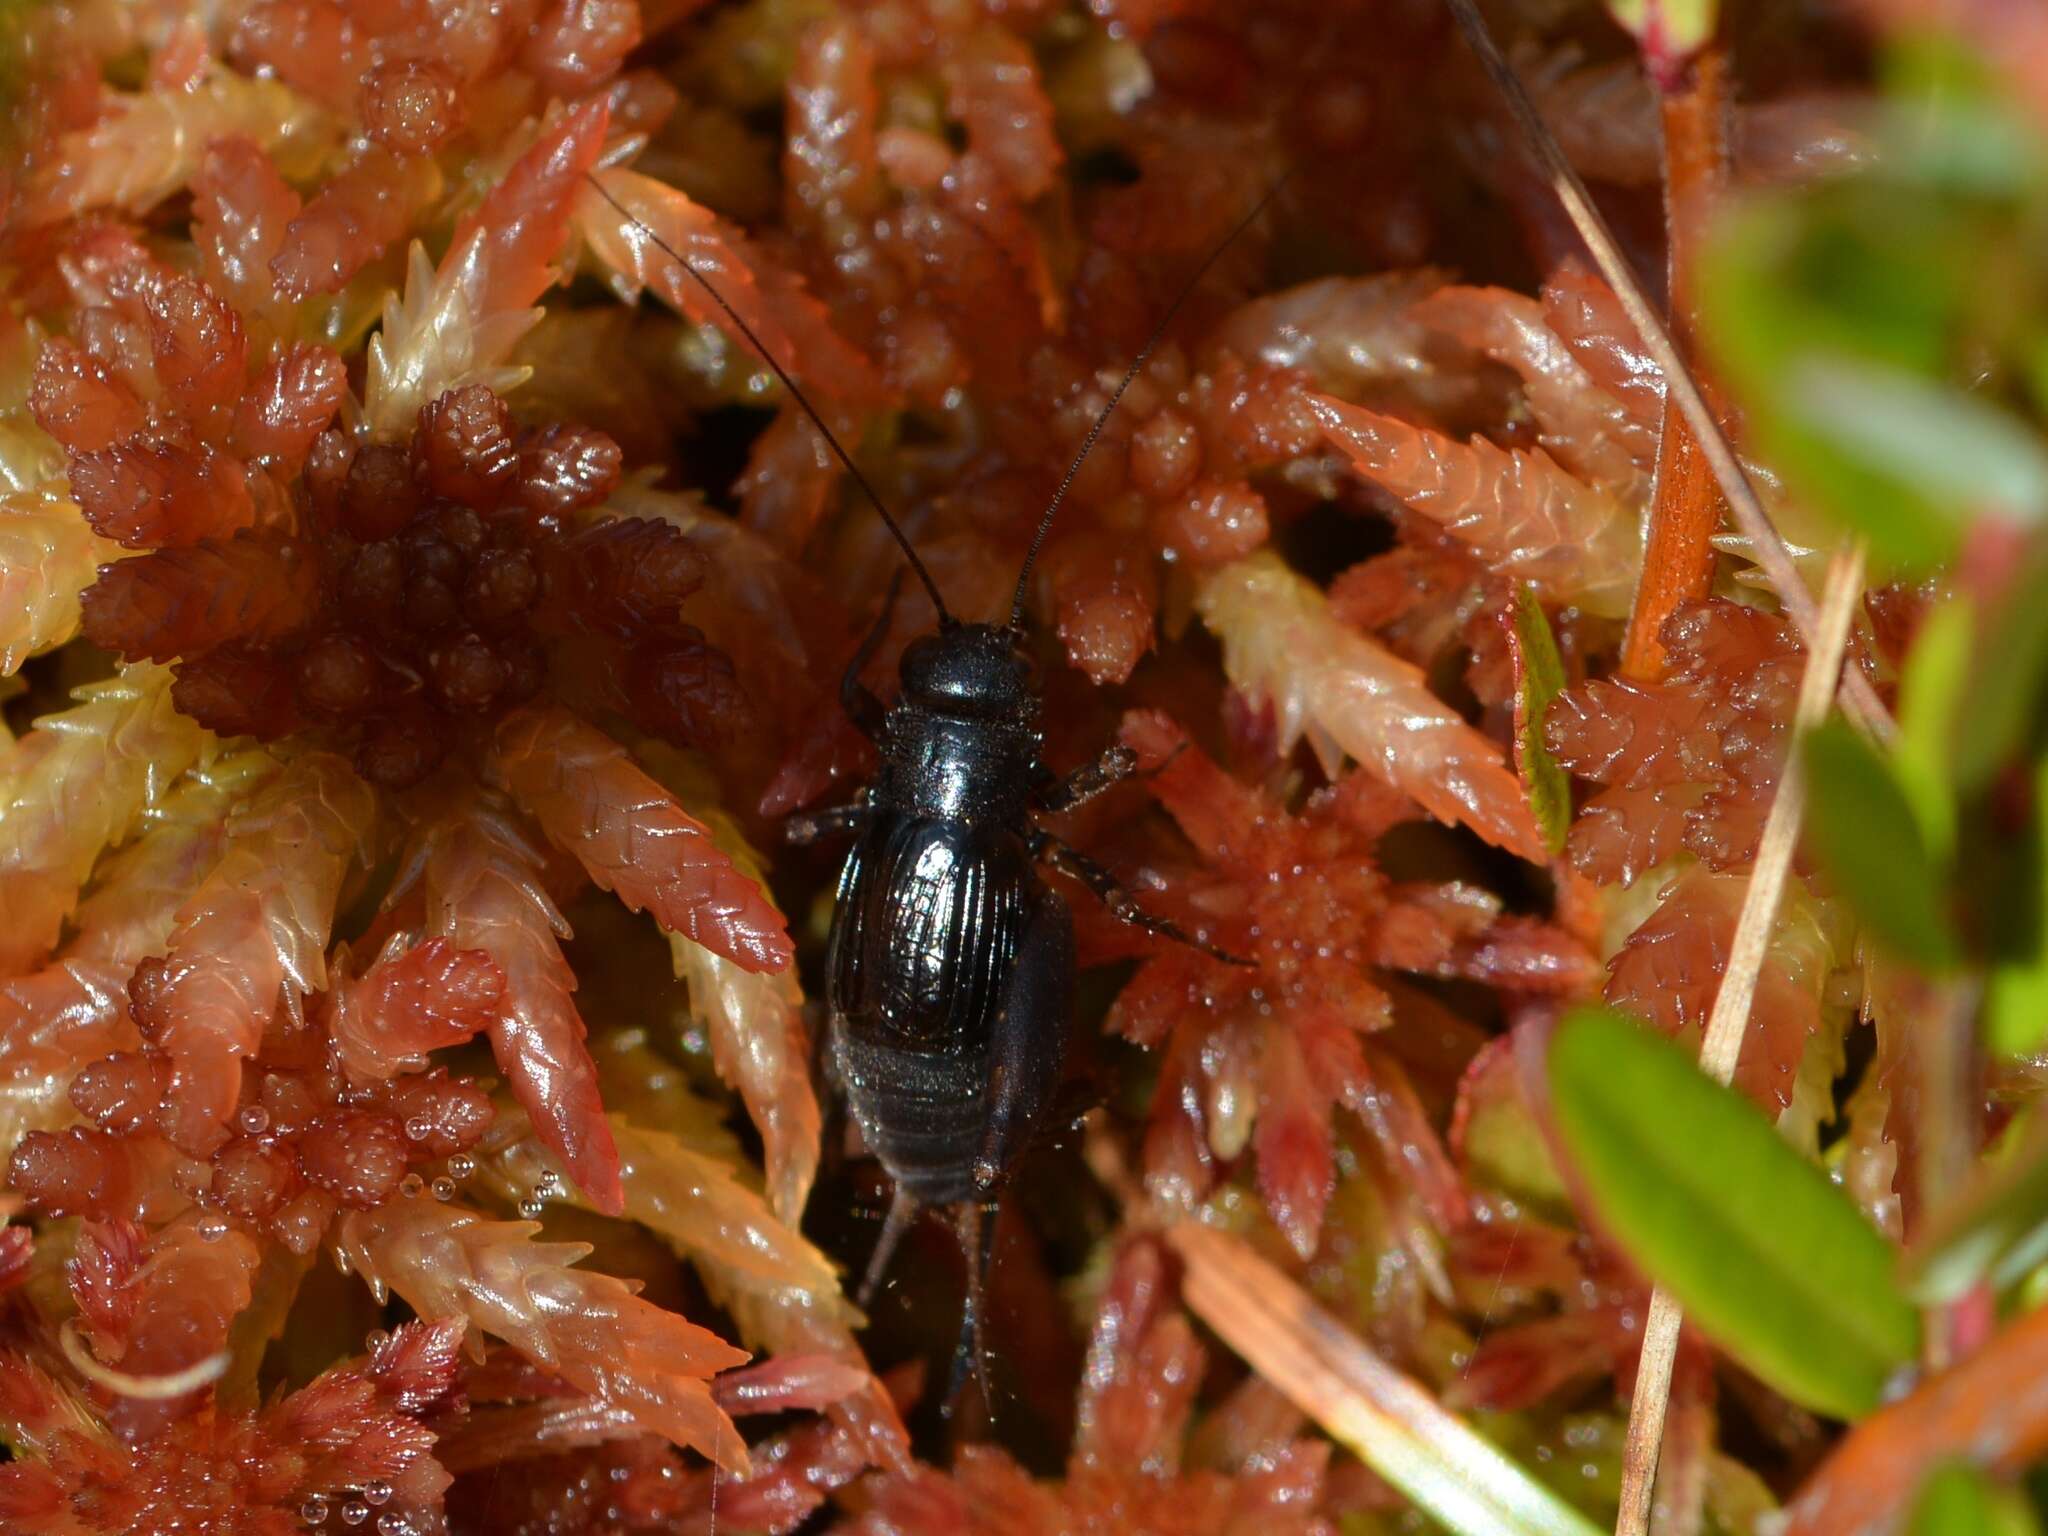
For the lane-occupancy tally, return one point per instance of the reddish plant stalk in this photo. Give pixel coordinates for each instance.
(1678, 558)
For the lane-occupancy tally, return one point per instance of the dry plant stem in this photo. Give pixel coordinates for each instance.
(1859, 700)
(1678, 559)
(1722, 1044)
(1385, 1417)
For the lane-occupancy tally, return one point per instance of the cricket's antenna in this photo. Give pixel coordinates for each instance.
(1130, 375)
(946, 620)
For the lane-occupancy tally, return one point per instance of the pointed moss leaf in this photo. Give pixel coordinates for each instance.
(1997, 1230)
(1861, 825)
(1930, 698)
(1767, 1256)
(1539, 677)
(1959, 1500)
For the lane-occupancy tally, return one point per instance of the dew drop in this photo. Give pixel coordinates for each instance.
(254, 1119)
(314, 1510)
(444, 1188)
(393, 1525)
(212, 1227)
(531, 1209)
(354, 1512)
(411, 1185)
(419, 1128)
(377, 1493)
(462, 1165)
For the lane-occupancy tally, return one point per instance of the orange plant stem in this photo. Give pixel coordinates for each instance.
(1678, 560)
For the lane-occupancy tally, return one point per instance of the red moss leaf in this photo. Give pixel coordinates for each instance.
(1108, 603)
(1670, 968)
(17, 1252)
(484, 891)
(1385, 1099)
(409, 105)
(241, 208)
(633, 838)
(350, 222)
(257, 924)
(79, 402)
(411, 1002)
(1517, 508)
(254, 588)
(791, 325)
(1295, 1149)
(1523, 1365)
(588, 1328)
(93, 1173)
(1587, 429)
(1144, 1369)
(1584, 312)
(621, 577)
(196, 341)
(1229, 822)
(289, 404)
(102, 1275)
(576, 45)
(520, 228)
(992, 87)
(1351, 697)
(161, 486)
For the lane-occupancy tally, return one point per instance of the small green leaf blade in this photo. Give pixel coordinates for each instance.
(1768, 1257)
(2002, 704)
(1862, 826)
(1995, 1229)
(1539, 679)
(1931, 689)
(1959, 1500)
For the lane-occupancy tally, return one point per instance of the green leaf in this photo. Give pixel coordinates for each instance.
(1997, 1230)
(2002, 705)
(2016, 1008)
(1862, 826)
(1539, 676)
(1962, 456)
(2016, 992)
(1959, 1500)
(1768, 1257)
(1930, 700)
(1841, 304)
(1949, 123)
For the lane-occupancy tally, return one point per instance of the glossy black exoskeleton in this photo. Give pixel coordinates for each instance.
(950, 969)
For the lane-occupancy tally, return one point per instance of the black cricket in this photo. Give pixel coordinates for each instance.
(950, 967)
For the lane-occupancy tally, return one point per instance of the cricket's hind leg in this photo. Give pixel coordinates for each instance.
(974, 1224)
